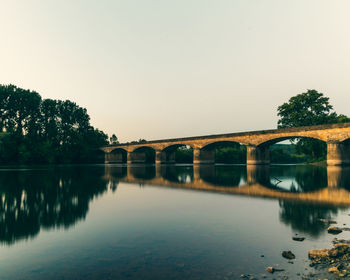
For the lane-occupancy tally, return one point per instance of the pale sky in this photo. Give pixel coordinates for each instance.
(176, 68)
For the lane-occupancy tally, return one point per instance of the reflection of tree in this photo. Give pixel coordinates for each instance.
(144, 172)
(308, 178)
(223, 175)
(178, 174)
(311, 179)
(304, 217)
(116, 172)
(31, 200)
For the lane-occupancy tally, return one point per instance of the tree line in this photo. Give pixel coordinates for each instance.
(34, 130)
(40, 131)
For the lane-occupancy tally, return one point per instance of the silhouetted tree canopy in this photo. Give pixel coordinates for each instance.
(113, 140)
(309, 108)
(36, 130)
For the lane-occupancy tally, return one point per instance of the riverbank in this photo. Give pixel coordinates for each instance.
(323, 263)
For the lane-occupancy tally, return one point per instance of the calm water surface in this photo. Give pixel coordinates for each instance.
(168, 222)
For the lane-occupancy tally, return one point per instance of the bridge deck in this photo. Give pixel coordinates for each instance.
(236, 134)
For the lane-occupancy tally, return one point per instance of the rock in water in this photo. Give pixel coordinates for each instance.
(288, 255)
(296, 238)
(334, 230)
(270, 269)
(318, 254)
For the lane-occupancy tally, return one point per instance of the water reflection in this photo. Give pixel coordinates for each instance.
(306, 217)
(300, 178)
(306, 193)
(282, 178)
(224, 175)
(60, 197)
(35, 199)
(175, 174)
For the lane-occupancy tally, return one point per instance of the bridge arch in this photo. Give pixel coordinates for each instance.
(345, 141)
(214, 143)
(117, 155)
(224, 151)
(275, 140)
(224, 175)
(142, 172)
(178, 174)
(142, 154)
(177, 153)
(175, 146)
(265, 153)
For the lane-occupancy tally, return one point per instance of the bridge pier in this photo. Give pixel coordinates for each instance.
(159, 170)
(159, 157)
(107, 155)
(196, 173)
(203, 156)
(338, 153)
(129, 157)
(164, 157)
(334, 176)
(258, 174)
(258, 155)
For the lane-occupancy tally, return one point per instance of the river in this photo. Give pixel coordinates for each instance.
(167, 222)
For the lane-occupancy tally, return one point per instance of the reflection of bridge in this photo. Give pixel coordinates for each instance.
(257, 143)
(256, 184)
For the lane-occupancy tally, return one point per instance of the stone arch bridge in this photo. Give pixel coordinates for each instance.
(336, 136)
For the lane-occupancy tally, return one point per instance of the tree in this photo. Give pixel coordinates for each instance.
(113, 140)
(45, 131)
(309, 108)
(140, 141)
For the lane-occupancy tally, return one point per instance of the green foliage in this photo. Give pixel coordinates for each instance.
(150, 155)
(113, 140)
(224, 153)
(140, 141)
(342, 119)
(184, 155)
(45, 131)
(230, 153)
(284, 153)
(309, 108)
(315, 149)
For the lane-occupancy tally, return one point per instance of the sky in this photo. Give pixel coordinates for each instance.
(156, 69)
